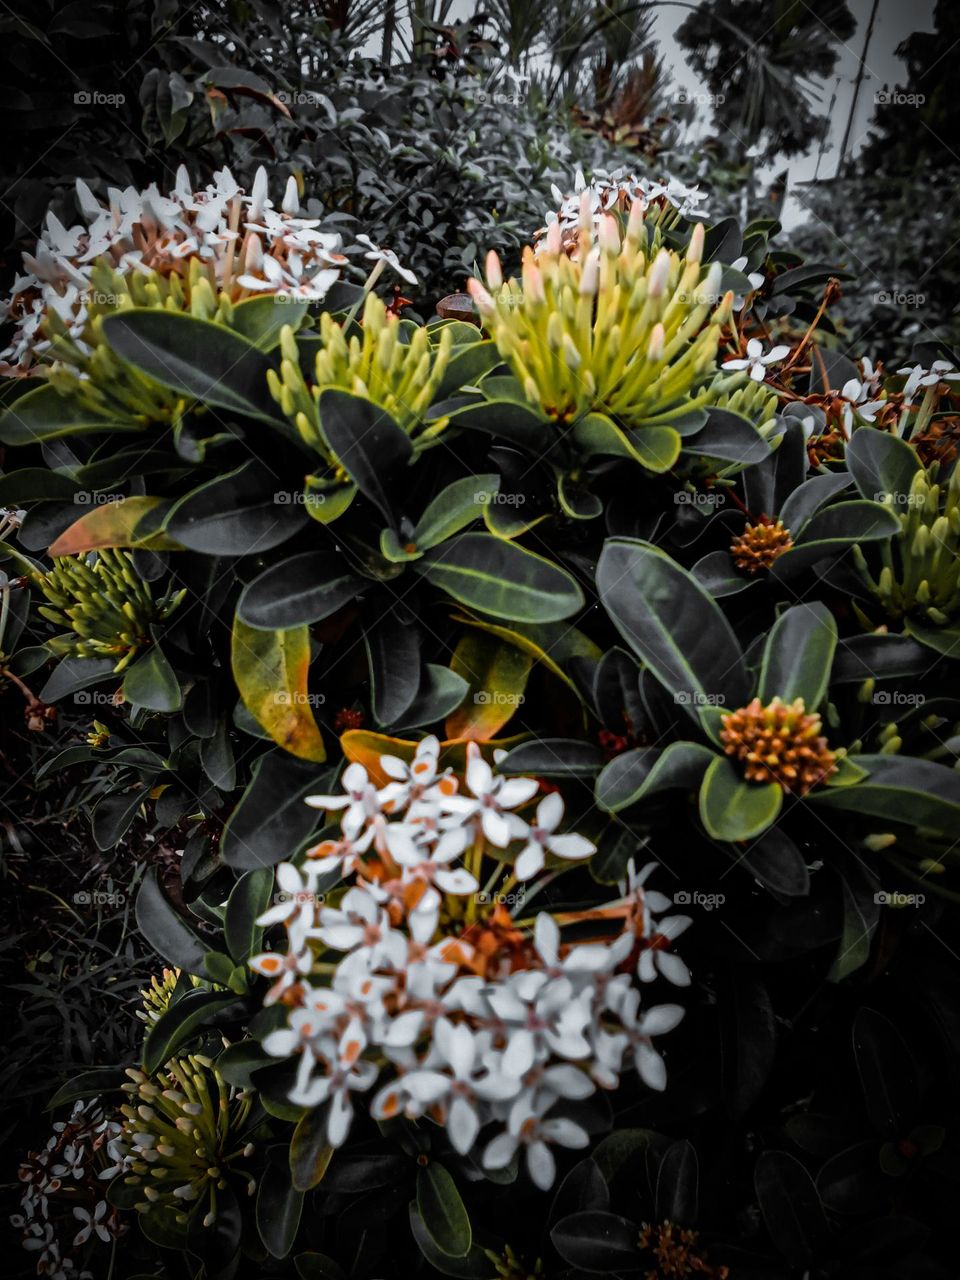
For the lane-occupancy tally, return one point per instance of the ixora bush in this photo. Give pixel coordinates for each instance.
(457, 657)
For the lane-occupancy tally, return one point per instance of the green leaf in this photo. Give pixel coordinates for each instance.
(643, 772)
(499, 578)
(508, 420)
(32, 484)
(553, 758)
(271, 819)
(181, 1023)
(791, 1208)
(777, 863)
(310, 1153)
(945, 640)
(203, 361)
(88, 1084)
(655, 448)
(113, 816)
(595, 1240)
(809, 497)
(166, 930)
(798, 656)
(152, 683)
(495, 674)
(467, 366)
(833, 530)
(260, 320)
(393, 655)
(317, 1266)
(474, 1265)
(900, 790)
(861, 915)
(271, 669)
(249, 898)
(672, 625)
(456, 506)
(303, 589)
(441, 691)
(237, 514)
(279, 1206)
(881, 463)
(719, 576)
(443, 1211)
(888, 1075)
(729, 436)
(44, 414)
(732, 808)
(372, 448)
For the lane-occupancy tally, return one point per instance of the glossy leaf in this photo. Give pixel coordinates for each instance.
(241, 513)
(732, 808)
(166, 930)
(271, 670)
(496, 676)
(303, 589)
(44, 414)
(502, 579)
(201, 360)
(443, 1211)
(372, 448)
(670, 622)
(798, 656)
(881, 463)
(271, 820)
(181, 1023)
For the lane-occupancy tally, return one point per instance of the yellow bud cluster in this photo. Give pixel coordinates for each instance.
(183, 1133)
(621, 330)
(920, 572)
(390, 364)
(106, 606)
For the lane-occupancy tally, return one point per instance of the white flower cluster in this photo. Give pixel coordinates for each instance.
(62, 1185)
(611, 192)
(246, 245)
(479, 1017)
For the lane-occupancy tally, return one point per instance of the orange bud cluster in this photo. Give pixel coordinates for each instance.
(779, 743)
(760, 544)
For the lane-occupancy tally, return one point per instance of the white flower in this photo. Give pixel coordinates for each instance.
(286, 970)
(361, 923)
(918, 376)
(526, 1127)
(91, 1224)
(355, 800)
(493, 797)
(297, 907)
(541, 839)
(640, 1026)
(389, 257)
(756, 361)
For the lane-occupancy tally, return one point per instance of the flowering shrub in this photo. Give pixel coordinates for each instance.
(416, 640)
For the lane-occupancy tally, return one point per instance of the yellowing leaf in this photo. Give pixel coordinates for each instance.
(270, 669)
(497, 675)
(113, 525)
